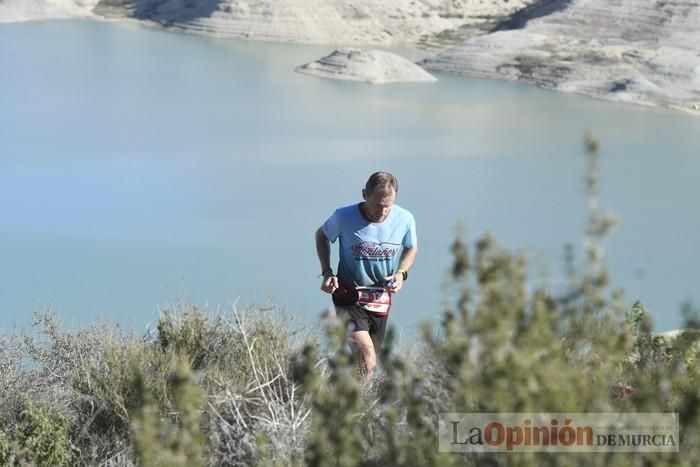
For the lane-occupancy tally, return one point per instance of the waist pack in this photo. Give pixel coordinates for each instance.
(376, 300)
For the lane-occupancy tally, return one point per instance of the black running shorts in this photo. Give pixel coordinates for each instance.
(362, 320)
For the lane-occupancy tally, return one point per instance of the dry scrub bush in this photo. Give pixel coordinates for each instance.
(12, 382)
(262, 417)
(108, 383)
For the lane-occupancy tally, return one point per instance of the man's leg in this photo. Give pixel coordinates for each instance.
(363, 347)
(359, 340)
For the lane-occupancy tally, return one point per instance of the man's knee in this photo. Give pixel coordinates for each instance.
(363, 347)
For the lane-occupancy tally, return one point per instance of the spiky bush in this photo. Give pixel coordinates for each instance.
(174, 440)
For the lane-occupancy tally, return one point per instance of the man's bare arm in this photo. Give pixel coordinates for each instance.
(408, 257)
(323, 249)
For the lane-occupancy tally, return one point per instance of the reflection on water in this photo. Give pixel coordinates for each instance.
(139, 168)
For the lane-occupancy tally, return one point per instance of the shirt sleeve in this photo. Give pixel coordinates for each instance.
(410, 240)
(331, 228)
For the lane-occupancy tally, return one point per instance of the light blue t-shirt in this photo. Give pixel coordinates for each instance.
(369, 251)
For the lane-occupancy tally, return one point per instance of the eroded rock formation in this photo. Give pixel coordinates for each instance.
(640, 51)
(370, 66)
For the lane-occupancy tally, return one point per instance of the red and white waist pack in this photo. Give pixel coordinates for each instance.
(376, 300)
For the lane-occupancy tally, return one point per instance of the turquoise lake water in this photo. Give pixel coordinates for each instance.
(140, 168)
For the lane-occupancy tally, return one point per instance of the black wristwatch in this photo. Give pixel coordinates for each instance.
(403, 273)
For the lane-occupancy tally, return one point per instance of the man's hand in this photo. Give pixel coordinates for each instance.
(396, 282)
(330, 283)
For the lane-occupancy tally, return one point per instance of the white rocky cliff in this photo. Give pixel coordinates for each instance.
(639, 51)
(320, 21)
(25, 10)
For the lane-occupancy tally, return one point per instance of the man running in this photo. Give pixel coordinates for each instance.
(378, 246)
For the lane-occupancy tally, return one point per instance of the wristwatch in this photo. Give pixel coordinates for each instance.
(403, 273)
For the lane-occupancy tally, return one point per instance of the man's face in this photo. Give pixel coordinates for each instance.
(378, 204)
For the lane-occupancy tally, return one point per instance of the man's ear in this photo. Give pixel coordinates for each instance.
(364, 194)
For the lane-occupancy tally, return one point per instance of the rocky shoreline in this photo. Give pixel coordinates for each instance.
(627, 51)
(632, 51)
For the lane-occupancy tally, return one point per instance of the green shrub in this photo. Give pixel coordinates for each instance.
(44, 437)
(336, 404)
(188, 333)
(174, 439)
(4, 449)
